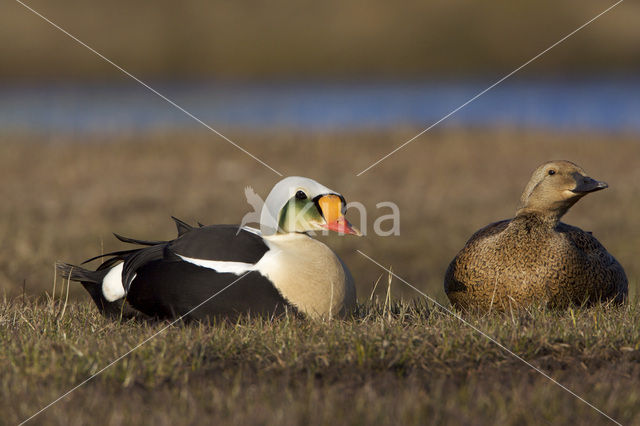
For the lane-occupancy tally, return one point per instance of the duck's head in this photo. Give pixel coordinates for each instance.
(555, 186)
(299, 204)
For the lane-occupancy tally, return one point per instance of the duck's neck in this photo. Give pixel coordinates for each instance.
(286, 236)
(548, 219)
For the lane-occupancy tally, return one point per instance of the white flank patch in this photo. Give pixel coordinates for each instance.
(221, 266)
(112, 288)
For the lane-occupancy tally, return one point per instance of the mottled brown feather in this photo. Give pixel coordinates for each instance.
(533, 259)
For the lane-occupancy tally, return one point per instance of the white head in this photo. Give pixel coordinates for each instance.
(299, 204)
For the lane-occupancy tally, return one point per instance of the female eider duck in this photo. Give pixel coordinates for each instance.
(534, 258)
(240, 269)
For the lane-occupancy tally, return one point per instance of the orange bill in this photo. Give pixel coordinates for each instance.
(331, 207)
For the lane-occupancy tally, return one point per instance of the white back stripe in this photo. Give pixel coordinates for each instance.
(221, 266)
(252, 230)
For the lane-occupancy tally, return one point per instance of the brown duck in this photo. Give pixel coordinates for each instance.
(534, 258)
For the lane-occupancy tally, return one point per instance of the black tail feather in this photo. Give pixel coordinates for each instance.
(92, 282)
(77, 273)
(107, 264)
(133, 259)
(182, 226)
(118, 255)
(138, 242)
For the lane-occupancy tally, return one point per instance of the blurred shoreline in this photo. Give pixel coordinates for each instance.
(607, 103)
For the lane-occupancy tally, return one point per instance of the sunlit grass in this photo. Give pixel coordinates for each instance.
(399, 361)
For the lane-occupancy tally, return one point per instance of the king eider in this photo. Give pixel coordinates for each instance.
(534, 258)
(262, 272)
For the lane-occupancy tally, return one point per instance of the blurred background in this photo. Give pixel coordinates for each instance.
(320, 89)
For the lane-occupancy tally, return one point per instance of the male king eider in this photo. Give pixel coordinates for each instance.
(258, 272)
(535, 258)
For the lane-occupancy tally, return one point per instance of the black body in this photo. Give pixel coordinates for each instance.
(160, 284)
(173, 289)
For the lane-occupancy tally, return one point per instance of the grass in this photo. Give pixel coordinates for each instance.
(400, 364)
(63, 196)
(393, 363)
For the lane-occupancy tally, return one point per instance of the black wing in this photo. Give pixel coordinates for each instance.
(160, 284)
(220, 242)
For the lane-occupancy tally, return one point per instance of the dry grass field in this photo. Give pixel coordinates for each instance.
(409, 366)
(64, 195)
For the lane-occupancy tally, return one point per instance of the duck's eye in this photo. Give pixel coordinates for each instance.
(552, 172)
(300, 195)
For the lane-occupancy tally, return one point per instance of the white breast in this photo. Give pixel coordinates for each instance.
(308, 274)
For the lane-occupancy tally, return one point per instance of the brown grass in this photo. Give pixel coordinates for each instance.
(386, 366)
(63, 197)
(393, 363)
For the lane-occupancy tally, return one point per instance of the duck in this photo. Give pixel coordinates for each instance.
(225, 271)
(534, 258)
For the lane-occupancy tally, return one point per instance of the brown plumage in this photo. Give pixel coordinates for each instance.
(534, 258)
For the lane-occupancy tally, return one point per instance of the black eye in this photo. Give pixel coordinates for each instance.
(300, 195)
(552, 172)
